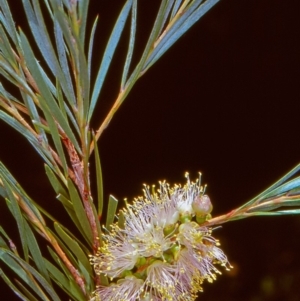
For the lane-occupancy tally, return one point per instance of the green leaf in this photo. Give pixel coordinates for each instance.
(17, 190)
(58, 276)
(262, 195)
(108, 54)
(288, 212)
(70, 210)
(7, 20)
(50, 105)
(72, 118)
(55, 135)
(190, 16)
(55, 182)
(6, 48)
(41, 36)
(64, 282)
(121, 220)
(74, 248)
(47, 287)
(28, 135)
(288, 186)
(83, 16)
(33, 112)
(25, 272)
(79, 64)
(80, 212)
(39, 127)
(13, 287)
(62, 55)
(91, 44)
(40, 33)
(87, 276)
(66, 203)
(60, 98)
(99, 180)
(58, 260)
(15, 209)
(73, 289)
(131, 44)
(153, 37)
(275, 213)
(97, 222)
(165, 13)
(36, 253)
(111, 211)
(12, 264)
(270, 205)
(76, 239)
(175, 8)
(26, 291)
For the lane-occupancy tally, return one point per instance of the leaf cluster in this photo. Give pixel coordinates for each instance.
(281, 198)
(51, 105)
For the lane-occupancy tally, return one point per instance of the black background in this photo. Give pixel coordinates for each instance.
(224, 101)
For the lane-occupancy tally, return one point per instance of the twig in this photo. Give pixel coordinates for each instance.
(42, 229)
(82, 184)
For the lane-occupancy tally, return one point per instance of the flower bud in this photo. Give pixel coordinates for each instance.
(202, 205)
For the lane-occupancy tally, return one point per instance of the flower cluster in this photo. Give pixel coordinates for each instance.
(162, 252)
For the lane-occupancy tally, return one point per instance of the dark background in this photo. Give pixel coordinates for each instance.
(224, 101)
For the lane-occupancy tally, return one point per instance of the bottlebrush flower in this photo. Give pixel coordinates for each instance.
(163, 252)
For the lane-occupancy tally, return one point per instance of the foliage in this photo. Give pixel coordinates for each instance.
(51, 104)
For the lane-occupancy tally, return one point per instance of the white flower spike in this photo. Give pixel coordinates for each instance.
(162, 253)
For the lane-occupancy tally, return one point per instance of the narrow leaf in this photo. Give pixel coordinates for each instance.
(166, 13)
(58, 276)
(59, 262)
(17, 189)
(48, 288)
(51, 104)
(262, 195)
(77, 56)
(99, 180)
(175, 8)
(26, 292)
(189, 18)
(111, 211)
(121, 220)
(43, 41)
(36, 253)
(62, 55)
(7, 20)
(19, 267)
(153, 37)
(55, 182)
(74, 288)
(74, 248)
(43, 152)
(79, 211)
(91, 45)
(108, 54)
(16, 211)
(83, 16)
(18, 293)
(288, 186)
(70, 210)
(131, 44)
